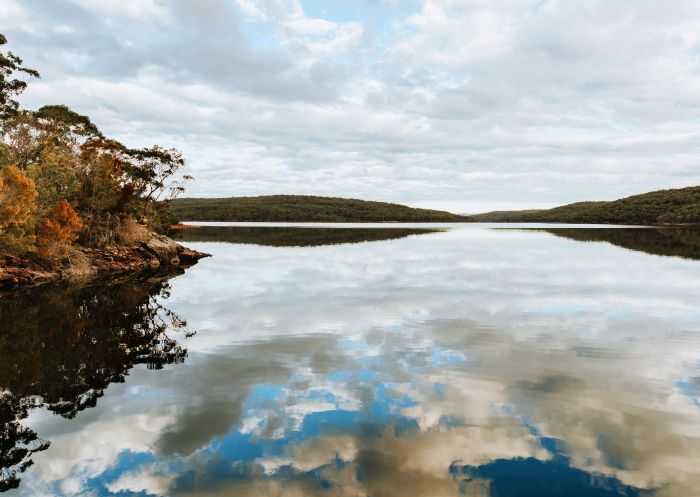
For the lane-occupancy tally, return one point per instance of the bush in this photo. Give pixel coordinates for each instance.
(59, 229)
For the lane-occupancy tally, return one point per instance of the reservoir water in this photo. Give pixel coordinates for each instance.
(366, 360)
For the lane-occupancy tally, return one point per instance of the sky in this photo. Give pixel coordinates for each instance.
(465, 105)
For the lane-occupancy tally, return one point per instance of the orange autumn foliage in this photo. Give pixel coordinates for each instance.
(61, 227)
(17, 205)
(17, 195)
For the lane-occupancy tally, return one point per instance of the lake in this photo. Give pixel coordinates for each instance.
(381, 360)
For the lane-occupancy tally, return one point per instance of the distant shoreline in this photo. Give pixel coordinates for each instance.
(664, 208)
(302, 208)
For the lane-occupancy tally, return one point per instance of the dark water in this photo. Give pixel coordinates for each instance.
(296, 236)
(472, 361)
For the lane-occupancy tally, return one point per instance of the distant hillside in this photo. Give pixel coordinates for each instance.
(301, 208)
(681, 206)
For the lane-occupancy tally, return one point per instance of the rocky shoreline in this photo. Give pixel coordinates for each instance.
(158, 253)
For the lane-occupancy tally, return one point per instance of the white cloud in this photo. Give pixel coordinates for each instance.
(142, 481)
(471, 103)
(251, 9)
(143, 10)
(11, 10)
(432, 16)
(310, 26)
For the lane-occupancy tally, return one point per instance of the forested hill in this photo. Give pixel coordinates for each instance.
(680, 206)
(301, 208)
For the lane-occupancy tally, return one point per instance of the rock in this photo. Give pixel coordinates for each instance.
(7, 281)
(162, 247)
(189, 257)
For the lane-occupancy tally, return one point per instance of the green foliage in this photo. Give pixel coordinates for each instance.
(5, 154)
(301, 208)
(62, 121)
(688, 214)
(663, 206)
(54, 175)
(11, 87)
(151, 171)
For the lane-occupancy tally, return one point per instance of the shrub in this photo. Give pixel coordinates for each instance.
(59, 229)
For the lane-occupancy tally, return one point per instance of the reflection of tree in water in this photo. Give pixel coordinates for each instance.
(17, 442)
(296, 237)
(677, 242)
(60, 349)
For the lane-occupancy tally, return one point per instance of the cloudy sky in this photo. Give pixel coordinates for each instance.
(460, 104)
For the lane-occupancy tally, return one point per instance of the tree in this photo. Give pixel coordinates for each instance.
(5, 154)
(29, 133)
(153, 173)
(100, 175)
(11, 87)
(61, 121)
(153, 182)
(55, 175)
(17, 195)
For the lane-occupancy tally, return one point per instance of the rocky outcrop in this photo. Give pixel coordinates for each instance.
(158, 253)
(17, 273)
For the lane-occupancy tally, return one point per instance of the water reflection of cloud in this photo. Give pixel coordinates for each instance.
(374, 369)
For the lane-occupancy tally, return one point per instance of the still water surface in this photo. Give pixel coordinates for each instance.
(390, 362)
